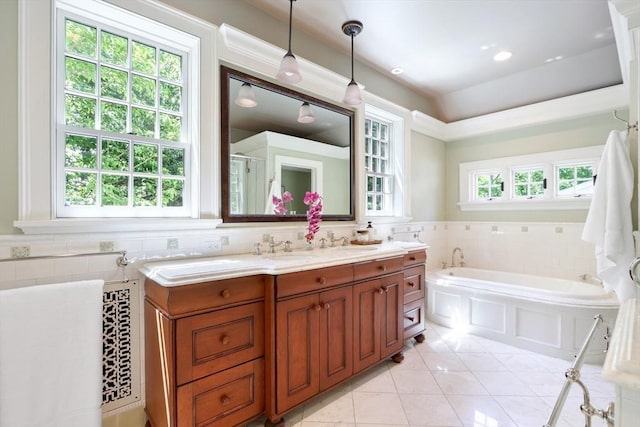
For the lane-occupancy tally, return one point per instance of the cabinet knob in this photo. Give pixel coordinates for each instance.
(412, 258)
(225, 400)
(322, 280)
(316, 307)
(325, 306)
(225, 293)
(380, 291)
(411, 319)
(385, 289)
(226, 339)
(382, 267)
(411, 285)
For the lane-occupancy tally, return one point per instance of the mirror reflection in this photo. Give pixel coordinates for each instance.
(278, 142)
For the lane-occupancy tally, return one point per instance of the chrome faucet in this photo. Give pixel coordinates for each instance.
(333, 239)
(453, 256)
(273, 245)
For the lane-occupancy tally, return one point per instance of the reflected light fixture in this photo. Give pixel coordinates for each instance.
(306, 114)
(352, 95)
(289, 72)
(246, 98)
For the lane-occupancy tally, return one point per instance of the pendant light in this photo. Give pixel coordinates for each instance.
(246, 97)
(352, 95)
(289, 72)
(306, 114)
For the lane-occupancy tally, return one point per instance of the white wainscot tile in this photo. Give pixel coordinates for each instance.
(72, 265)
(35, 269)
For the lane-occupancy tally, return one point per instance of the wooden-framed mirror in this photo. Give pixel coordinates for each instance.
(266, 151)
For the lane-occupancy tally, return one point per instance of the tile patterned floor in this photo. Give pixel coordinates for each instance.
(453, 381)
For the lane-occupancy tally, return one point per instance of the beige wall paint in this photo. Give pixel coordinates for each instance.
(583, 132)
(428, 156)
(9, 115)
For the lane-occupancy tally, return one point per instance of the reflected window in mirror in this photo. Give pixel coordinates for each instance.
(276, 140)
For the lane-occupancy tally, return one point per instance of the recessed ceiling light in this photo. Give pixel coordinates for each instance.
(397, 70)
(503, 55)
(558, 58)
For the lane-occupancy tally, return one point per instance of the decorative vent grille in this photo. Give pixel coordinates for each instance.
(121, 346)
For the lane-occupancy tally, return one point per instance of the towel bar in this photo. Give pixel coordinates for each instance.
(122, 260)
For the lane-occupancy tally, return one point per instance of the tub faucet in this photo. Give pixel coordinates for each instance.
(453, 257)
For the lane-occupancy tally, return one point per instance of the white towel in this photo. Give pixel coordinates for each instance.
(608, 225)
(274, 191)
(51, 355)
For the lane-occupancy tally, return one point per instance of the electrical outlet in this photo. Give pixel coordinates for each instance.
(213, 245)
(224, 240)
(172, 243)
(20, 251)
(106, 246)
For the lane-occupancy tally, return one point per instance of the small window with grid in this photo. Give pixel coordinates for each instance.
(488, 185)
(528, 183)
(122, 139)
(378, 166)
(574, 180)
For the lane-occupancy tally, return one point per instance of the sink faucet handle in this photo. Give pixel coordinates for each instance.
(287, 246)
(257, 248)
(323, 243)
(345, 241)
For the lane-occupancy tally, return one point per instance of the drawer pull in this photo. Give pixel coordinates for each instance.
(382, 268)
(411, 284)
(412, 258)
(382, 290)
(316, 307)
(322, 280)
(225, 400)
(326, 306)
(411, 319)
(226, 339)
(225, 293)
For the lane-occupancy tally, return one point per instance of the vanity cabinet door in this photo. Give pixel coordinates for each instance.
(378, 327)
(336, 336)
(297, 350)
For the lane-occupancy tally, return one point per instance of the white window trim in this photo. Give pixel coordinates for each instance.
(506, 165)
(36, 89)
(398, 149)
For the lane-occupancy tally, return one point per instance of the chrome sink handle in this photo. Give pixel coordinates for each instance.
(632, 270)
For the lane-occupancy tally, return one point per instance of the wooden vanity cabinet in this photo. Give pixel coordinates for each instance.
(314, 333)
(414, 295)
(204, 352)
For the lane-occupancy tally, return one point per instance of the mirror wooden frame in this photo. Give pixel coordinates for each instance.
(226, 74)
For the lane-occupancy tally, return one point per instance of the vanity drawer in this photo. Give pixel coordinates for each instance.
(415, 257)
(211, 342)
(378, 267)
(413, 284)
(413, 318)
(225, 399)
(188, 299)
(312, 280)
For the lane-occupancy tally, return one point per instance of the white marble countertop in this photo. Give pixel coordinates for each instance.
(185, 271)
(622, 364)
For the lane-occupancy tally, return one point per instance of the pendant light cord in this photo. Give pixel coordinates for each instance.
(352, 80)
(290, 21)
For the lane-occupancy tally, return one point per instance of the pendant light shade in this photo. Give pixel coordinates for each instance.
(289, 72)
(306, 114)
(352, 95)
(246, 98)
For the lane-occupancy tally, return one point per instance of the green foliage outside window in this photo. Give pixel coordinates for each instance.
(114, 92)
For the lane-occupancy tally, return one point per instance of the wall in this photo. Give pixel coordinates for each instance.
(581, 132)
(428, 190)
(9, 115)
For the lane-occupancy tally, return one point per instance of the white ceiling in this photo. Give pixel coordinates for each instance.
(439, 43)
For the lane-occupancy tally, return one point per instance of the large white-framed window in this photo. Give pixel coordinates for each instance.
(51, 150)
(550, 180)
(123, 143)
(384, 163)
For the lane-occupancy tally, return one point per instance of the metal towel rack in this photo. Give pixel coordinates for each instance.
(122, 261)
(572, 375)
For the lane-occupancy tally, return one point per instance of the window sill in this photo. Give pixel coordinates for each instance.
(530, 205)
(110, 225)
